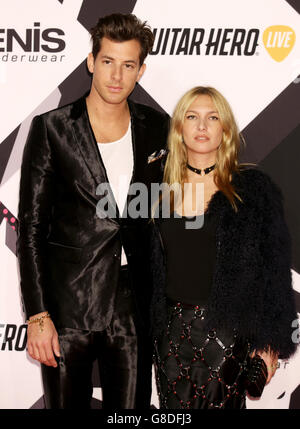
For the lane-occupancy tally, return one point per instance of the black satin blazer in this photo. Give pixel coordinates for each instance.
(69, 258)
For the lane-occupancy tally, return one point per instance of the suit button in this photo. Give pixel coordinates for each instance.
(126, 292)
(116, 256)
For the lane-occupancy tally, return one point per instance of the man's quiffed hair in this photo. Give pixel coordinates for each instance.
(120, 28)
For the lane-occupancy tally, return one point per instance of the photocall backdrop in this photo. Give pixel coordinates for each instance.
(249, 50)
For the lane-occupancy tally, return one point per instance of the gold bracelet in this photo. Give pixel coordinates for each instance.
(39, 320)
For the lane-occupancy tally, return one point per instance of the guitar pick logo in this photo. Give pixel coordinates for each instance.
(279, 40)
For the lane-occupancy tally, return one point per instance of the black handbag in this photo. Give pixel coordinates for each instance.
(257, 374)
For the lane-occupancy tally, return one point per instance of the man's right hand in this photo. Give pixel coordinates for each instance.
(42, 345)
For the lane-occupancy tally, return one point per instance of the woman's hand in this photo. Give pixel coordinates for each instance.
(271, 360)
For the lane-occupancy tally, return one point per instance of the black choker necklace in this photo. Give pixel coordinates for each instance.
(199, 170)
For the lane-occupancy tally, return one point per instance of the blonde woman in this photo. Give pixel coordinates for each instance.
(222, 292)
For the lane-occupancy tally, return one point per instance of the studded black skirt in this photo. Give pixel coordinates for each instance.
(196, 368)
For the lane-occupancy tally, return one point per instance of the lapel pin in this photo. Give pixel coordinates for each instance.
(156, 155)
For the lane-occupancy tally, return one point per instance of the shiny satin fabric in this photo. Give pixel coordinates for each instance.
(69, 257)
(199, 369)
(119, 353)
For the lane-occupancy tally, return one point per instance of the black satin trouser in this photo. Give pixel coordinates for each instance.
(125, 374)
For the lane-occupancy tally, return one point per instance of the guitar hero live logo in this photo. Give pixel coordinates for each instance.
(278, 41)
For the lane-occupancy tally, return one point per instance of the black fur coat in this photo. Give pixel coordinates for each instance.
(252, 289)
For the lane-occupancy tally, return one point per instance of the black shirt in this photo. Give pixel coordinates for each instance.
(190, 256)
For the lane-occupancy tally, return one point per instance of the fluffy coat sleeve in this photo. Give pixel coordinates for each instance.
(278, 306)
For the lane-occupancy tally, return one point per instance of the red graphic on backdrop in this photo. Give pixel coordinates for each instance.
(5, 214)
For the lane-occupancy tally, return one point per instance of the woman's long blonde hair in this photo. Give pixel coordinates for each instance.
(227, 154)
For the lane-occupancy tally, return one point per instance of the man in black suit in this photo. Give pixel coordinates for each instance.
(84, 278)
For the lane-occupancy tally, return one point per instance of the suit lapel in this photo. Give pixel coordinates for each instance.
(138, 128)
(86, 142)
(87, 145)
